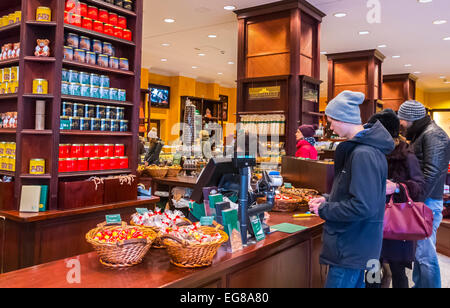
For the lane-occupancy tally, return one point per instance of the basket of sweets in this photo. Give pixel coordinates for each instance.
(157, 172)
(159, 222)
(193, 246)
(173, 171)
(120, 246)
(286, 203)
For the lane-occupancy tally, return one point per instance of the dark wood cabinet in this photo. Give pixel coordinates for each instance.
(397, 89)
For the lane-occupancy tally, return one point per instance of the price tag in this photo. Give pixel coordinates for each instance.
(113, 219)
(287, 185)
(141, 211)
(206, 220)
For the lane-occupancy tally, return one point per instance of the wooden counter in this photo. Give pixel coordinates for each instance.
(443, 238)
(30, 239)
(281, 260)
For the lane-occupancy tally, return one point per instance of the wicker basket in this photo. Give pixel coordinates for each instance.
(121, 254)
(173, 172)
(188, 255)
(157, 243)
(287, 205)
(158, 172)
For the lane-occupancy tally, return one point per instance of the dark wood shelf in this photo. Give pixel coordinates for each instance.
(260, 112)
(36, 177)
(97, 68)
(40, 59)
(94, 34)
(9, 29)
(112, 7)
(9, 62)
(94, 133)
(41, 23)
(93, 173)
(11, 131)
(38, 96)
(7, 173)
(95, 100)
(8, 96)
(36, 132)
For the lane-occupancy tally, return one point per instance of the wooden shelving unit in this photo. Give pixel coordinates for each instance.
(31, 143)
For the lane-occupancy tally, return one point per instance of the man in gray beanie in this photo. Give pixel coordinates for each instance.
(432, 147)
(354, 210)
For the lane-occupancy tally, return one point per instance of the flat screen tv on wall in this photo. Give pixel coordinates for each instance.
(159, 96)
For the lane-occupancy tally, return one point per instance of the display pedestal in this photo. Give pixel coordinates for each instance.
(397, 89)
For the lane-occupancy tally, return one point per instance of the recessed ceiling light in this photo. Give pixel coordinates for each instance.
(212, 36)
(229, 7)
(165, 44)
(230, 62)
(219, 73)
(194, 67)
(201, 54)
(323, 52)
(163, 60)
(340, 15)
(417, 73)
(169, 20)
(408, 65)
(442, 77)
(446, 38)
(439, 22)
(382, 46)
(395, 57)
(424, 1)
(363, 32)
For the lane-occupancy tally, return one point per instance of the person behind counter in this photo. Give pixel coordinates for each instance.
(306, 142)
(156, 145)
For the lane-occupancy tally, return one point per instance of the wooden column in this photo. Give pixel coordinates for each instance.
(278, 43)
(359, 71)
(397, 89)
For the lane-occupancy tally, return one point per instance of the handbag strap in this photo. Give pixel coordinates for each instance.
(410, 201)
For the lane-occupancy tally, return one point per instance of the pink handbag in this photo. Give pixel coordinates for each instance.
(408, 221)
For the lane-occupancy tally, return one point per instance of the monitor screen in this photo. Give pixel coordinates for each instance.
(159, 96)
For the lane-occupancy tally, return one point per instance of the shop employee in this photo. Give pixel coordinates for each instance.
(306, 142)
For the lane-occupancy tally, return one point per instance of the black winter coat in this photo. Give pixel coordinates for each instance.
(354, 211)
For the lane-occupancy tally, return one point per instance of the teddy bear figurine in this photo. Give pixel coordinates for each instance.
(16, 50)
(10, 51)
(5, 50)
(42, 48)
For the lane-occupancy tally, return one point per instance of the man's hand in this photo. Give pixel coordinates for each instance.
(315, 203)
(390, 187)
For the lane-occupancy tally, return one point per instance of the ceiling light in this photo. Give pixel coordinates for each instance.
(446, 38)
(194, 67)
(212, 36)
(231, 62)
(363, 32)
(169, 20)
(382, 46)
(219, 73)
(229, 7)
(201, 54)
(442, 77)
(439, 22)
(424, 1)
(417, 73)
(408, 65)
(323, 52)
(340, 15)
(165, 44)
(163, 60)
(395, 57)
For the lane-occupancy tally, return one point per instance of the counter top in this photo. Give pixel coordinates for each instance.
(156, 270)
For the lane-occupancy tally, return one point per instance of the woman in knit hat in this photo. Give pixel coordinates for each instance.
(305, 142)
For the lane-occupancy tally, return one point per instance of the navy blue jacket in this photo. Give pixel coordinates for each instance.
(354, 211)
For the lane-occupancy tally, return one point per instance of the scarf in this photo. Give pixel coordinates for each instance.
(417, 128)
(311, 140)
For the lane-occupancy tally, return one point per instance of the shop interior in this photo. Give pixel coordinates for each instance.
(131, 111)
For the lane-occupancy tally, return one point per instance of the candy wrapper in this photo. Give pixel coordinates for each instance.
(168, 219)
(193, 234)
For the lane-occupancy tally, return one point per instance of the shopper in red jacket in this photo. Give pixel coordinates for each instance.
(305, 142)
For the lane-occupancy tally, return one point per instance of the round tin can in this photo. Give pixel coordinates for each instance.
(72, 40)
(71, 164)
(74, 76)
(108, 150)
(95, 124)
(114, 62)
(40, 86)
(124, 64)
(108, 29)
(122, 22)
(74, 123)
(83, 164)
(62, 165)
(85, 78)
(97, 26)
(66, 17)
(74, 89)
(115, 125)
(65, 88)
(113, 94)
(91, 58)
(118, 32)
(120, 113)
(78, 110)
(75, 20)
(77, 150)
(85, 90)
(67, 109)
(85, 43)
(122, 95)
(95, 91)
(85, 124)
(97, 46)
(71, 5)
(104, 81)
(103, 15)
(64, 123)
(127, 35)
(104, 93)
(37, 166)
(88, 150)
(113, 19)
(114, 163)
(123, 162)
(103, 60)
(43, 13)
(95, 80)
(123, 125)
(68, 53)
(127, 4)
(83, 9)
(89, 111)
(113, 51)
(99, 150)
(79, 55)
(92, 12)
(118, 3)
(87, 23)
(65, 75)
(94, 163)
(105, 125)
(100, 112)
(104, 163)
(107, 48)
(64, 150)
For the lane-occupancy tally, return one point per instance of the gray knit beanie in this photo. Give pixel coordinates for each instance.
(412, 111)
(345, 107)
